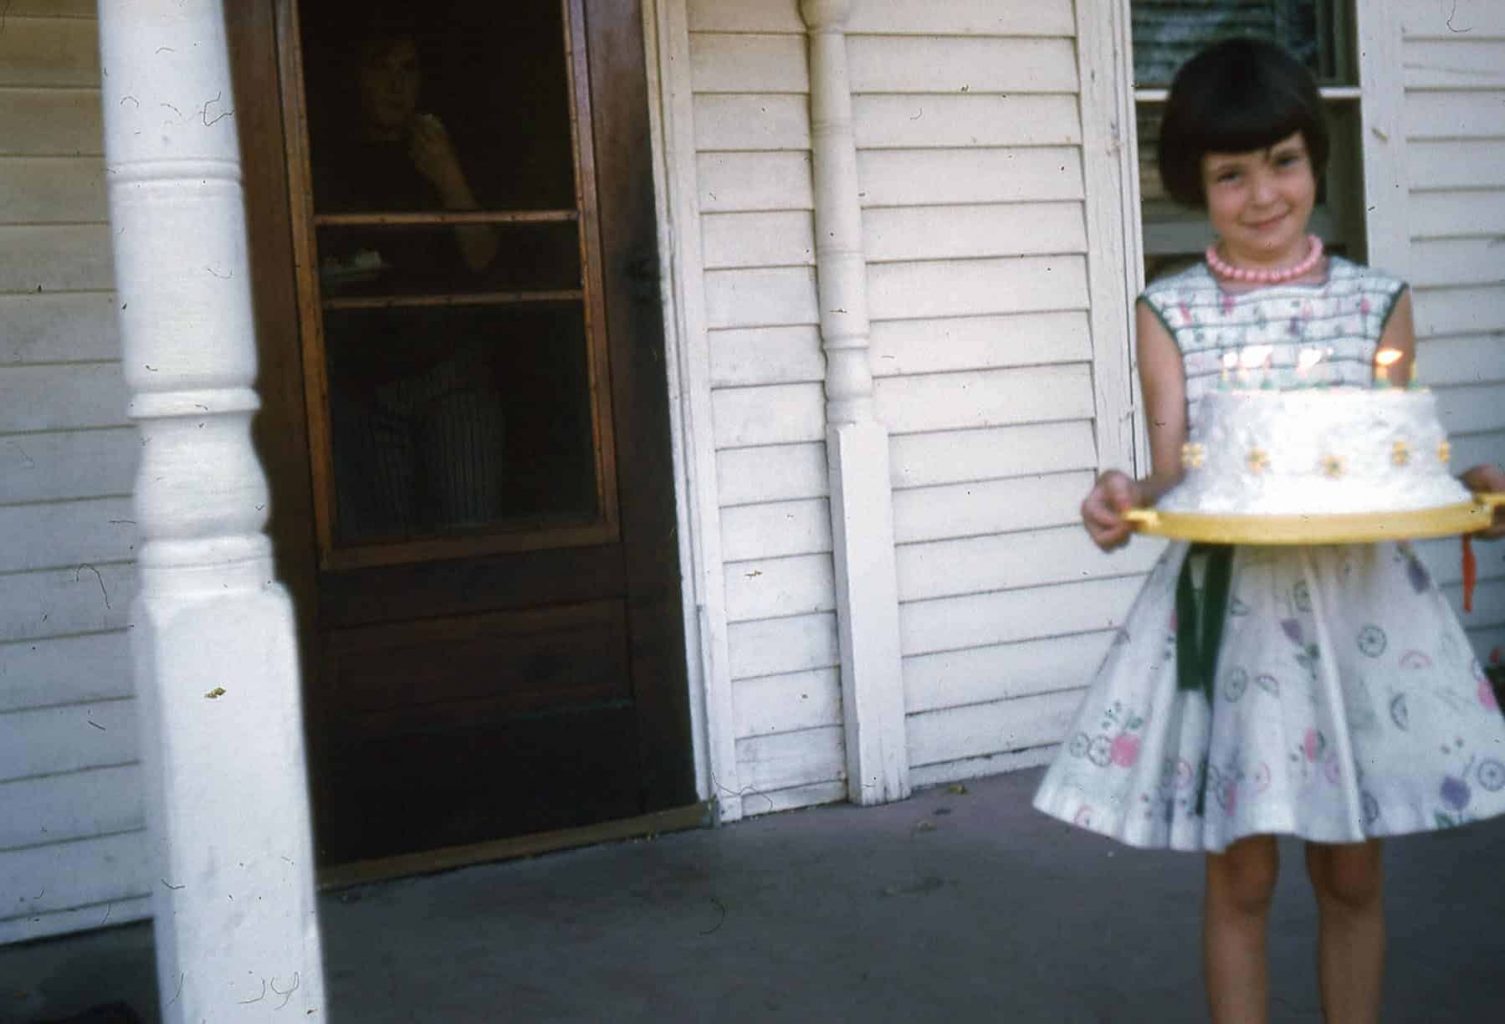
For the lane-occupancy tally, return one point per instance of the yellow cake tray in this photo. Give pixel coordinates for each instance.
(1349, 528)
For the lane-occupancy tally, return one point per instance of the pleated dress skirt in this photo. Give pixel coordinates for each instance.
(1346, 704)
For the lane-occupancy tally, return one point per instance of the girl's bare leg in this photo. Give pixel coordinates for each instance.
(1348, 883)
(1240, 886)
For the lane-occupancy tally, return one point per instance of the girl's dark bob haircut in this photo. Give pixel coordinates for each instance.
(1236, 96)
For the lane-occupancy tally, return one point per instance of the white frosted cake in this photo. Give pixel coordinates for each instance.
(1315, 452)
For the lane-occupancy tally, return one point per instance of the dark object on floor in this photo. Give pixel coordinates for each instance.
(111, 1013)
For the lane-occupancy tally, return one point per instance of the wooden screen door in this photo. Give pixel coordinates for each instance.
(498, 646)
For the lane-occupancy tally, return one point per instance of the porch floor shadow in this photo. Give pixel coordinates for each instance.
(951, 906)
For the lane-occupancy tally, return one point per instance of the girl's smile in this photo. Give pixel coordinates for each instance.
(1259, 202)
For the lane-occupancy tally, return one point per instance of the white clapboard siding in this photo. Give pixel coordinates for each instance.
(1451, 19)
(69, 327)
(897, 17)
(768, 415)
(48, 51)
(926, 177)
(108, 913)
(69, 533)
(773, 587)
(1457, 213)
(61, 877)
(979, 620)
(1453, 56)
(71, 852)
(732, 182)
(783, 238)
(73, 806)
(1010, 561)
(40, 258)
(68, 464)
(64, 670)
(767, 355)
(764, 297)
(903, 347)
(921, 460)
(52, 189)
(778, 646)
(977, 287)
(787, 703)
(50, 122)
(966, 116)
(790, 759)
(1470, 309)
(50, 741)
(984, 398)
(979, 729)
(1455, 164)
(1454, 114)
(892, 234)
(1453, 261)
(60, 396)
(986, 508)
(1465, 359)
(929, 121)
(776, 529)
(981, 675)
(747, 476)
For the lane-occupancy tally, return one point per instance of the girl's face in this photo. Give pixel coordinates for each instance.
(1259, 202)
(389, 86)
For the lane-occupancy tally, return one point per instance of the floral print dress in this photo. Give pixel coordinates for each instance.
(1346, 701)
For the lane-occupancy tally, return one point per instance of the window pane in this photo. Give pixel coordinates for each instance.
(1168, 32)
(452, 419)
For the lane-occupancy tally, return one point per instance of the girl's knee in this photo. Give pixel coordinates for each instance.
(1244, 875)
(1351, 874)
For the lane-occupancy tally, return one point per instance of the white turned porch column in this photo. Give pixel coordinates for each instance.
(867, 593)
(213, 642)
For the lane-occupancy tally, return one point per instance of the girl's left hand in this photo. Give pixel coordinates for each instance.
(1485, 478)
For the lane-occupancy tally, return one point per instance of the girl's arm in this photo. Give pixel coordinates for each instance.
(1400, 334)
(1162, 383)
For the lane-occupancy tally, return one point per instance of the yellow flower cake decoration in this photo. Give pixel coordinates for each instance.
(1400, 453)
(1192, 455)
(1259, 460)
(1332, 465)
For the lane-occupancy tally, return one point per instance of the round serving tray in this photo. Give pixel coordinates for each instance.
(1359, 528)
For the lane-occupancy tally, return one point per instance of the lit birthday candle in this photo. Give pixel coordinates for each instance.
(1383, 360)
(1306, 359)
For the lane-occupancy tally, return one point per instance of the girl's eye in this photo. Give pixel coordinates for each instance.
(1226, 176)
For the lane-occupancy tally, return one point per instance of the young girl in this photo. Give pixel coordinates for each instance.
(1344, 703)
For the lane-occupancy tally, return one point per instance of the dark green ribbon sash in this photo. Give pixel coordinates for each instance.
(1200, 613)
(1199, 616)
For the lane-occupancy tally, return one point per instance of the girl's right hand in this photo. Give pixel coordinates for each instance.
(1103, 508)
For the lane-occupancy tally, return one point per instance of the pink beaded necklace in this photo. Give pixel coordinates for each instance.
(1252, 276)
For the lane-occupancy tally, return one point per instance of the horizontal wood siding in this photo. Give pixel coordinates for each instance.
(969, 134)
(1453, 57)
(72, 853)
(751, 106)
(975, 227)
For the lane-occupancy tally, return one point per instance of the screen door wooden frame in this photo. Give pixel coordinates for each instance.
(507, 535)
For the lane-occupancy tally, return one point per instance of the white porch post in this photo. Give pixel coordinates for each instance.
(867, 593)
(213, 642)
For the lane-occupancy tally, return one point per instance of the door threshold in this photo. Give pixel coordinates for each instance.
(448, 858)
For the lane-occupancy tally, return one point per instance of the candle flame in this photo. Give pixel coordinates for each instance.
(1255, 356)
(1387, 356)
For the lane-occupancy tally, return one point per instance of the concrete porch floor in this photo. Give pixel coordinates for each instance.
(950, 906)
